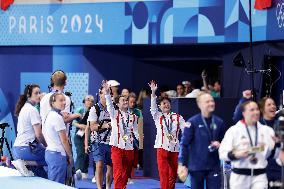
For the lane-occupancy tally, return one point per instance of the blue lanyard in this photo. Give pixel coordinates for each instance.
(54, 110)
(212, 127)
(29, 102)
(256, 133)
(56, 91)
(263, 120)
(57, 111)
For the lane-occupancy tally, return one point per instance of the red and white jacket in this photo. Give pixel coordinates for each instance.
(117, 133)
(178, 124)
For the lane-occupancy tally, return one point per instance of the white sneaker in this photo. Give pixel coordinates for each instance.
(20, 165)
(94, 180)
(85, 176)
(78, 174)
(130, 181)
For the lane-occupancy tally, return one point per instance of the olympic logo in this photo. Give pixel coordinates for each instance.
(280, 14)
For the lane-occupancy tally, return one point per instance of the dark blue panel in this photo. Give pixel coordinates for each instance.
(216, 16)
(14, 60)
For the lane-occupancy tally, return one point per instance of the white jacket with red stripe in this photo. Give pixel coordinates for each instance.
(117, 133)
(178, 124)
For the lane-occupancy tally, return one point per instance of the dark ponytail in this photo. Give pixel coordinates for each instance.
(24, 97)
(21, 101)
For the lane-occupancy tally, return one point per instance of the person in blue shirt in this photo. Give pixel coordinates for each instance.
(199, 146)
(267, 109)
(237, 116)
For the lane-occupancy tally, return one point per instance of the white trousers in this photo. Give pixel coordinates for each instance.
(248, 182)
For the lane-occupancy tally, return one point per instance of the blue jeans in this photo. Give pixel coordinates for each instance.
(57, 166)
(36, 154)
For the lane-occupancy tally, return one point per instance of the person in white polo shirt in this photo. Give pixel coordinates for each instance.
(58, 150)
(124, 129)
(57, 82)
(30, 144)
(169, 125)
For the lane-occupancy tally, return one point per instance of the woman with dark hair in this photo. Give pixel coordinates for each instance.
(58, 147)
(125, 92)
(267, 109)
(180, 90)
(168, 126)
(30, 144)
(248, 145)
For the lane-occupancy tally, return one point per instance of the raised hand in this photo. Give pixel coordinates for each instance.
(247, 94)
(203, 74)
(153, 86)
(106, 87)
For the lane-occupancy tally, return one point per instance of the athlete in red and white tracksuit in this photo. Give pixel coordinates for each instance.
(124, 128)
(168, 126)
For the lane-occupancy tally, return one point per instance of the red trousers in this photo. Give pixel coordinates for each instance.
(122, 161)
(167, 166)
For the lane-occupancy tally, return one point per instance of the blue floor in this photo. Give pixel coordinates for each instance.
(138, 184)
(36, 182)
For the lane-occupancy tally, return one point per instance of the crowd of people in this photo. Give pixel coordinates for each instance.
(190, 89)
(111, 132)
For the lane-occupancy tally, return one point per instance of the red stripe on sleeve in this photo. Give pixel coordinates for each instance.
(117, 121)
(161, 122)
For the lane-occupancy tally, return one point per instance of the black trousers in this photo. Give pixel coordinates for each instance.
(82, 160)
